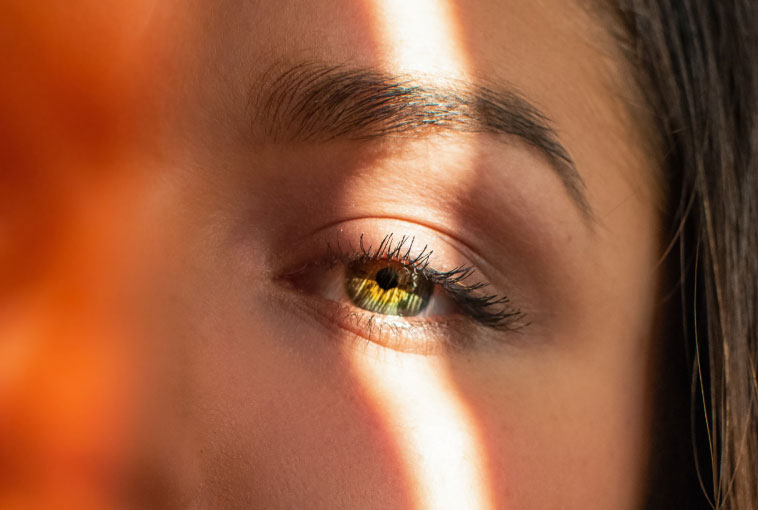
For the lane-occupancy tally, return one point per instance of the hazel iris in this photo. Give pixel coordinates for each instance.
(387, 287)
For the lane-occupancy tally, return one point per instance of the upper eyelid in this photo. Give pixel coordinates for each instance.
(401, 251)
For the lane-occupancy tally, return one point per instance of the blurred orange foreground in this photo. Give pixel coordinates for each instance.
(71, 106)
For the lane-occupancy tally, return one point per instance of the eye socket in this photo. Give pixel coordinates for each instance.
(387, 287)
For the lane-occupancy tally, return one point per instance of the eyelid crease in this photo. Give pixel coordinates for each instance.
(313, 101)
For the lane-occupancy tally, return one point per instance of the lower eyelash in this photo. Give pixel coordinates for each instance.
(490, 310)
(404, 335)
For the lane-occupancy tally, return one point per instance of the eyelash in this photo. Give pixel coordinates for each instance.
(490, 310)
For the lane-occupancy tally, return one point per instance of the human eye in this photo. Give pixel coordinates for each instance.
(393, 294)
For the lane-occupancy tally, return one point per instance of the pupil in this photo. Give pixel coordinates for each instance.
(386, 278)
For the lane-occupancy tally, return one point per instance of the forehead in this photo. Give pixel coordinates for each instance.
(548, 47)
(559, 54)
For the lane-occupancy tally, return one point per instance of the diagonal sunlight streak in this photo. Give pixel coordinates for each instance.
(415, 394)
(436, 437)
(420, 36)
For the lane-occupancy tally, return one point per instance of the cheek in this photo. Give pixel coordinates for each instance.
(561, 434)
(278, 418)
(275, 413)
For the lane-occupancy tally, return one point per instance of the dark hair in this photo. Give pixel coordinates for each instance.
(698, 69)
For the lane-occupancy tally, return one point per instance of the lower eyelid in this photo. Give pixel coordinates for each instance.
(395, 333)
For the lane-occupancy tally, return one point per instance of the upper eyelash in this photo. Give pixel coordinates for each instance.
(490, 310)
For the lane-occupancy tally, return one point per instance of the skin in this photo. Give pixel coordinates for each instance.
(241, 390)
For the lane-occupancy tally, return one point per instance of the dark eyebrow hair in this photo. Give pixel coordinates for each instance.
(313, 102)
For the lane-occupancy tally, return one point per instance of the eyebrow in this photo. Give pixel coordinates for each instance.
(312, 102)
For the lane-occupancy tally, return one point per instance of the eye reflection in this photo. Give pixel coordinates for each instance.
(387, 287)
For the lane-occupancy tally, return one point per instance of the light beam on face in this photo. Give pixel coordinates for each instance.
(436, 437)
(414, 394)
(420, 36)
